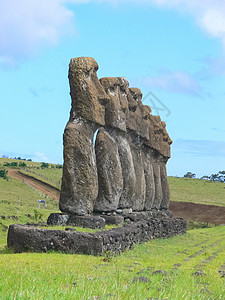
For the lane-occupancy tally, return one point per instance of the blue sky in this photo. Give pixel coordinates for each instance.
(173, 50)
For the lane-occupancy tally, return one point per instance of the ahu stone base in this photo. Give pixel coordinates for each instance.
(29, 238)
(99, 221)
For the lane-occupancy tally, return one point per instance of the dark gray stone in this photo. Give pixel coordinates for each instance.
(147, 159)
(80, 183)
(94, 222)
(88, 95)
(110, 177)
(140, 187)
(164, 183)
(118, 219)
(25, 238)
(157, 179)
(28, 238)
(117, 107)
(80, 178)
(137, 216)
(128, 172)
(70, 228)
(57, 219)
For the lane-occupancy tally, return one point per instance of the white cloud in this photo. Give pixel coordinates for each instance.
(40, 157)
(213, 67)
(209, 14)
(201, 148)
(176, 82)
(26, 26)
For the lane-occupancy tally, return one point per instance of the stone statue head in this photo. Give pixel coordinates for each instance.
(88, 96)
(117, 107)
(138, 113)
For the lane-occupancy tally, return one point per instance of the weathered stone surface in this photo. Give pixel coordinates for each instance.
(164, 183)
(132, 147)
(117, 107)
(88, 95)
(94, 222)
(138, 116)
(70, 228)
(116, 220)
(110, 177)
(27, 238)
(158, 136)
(128, 171)
(165, 142)
(57, 219)
(157, 179)
(80, 180)
(147, 158)
(136, 216)
(140, 187)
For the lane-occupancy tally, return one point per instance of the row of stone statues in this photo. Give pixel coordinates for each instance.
(115, 151)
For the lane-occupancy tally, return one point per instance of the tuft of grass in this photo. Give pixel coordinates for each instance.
(198, 225)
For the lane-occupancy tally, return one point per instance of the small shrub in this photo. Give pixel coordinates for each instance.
(22, 164)
(44, 165)
(37, 215)
(3, 174)
(198, 225)
(108, 256)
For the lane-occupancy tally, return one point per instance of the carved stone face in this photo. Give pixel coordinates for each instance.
(88, 95)
(158, 136)
(117, 107)
(138, 113)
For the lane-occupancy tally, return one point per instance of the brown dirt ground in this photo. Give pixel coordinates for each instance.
(198, 212)
(189, 211)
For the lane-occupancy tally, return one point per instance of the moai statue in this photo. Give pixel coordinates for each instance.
(115, 118)
(127, 166)
(110, 177)
(137, 131)
(155, 143)
(160, 142)
(165, 155)
(80, 179)
(147, 158)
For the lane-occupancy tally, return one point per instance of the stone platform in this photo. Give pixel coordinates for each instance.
(98, 221)
(23, 238)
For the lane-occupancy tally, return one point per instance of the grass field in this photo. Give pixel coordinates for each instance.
(191, 266)
(17, 201)
(184, 267)
(197, 191)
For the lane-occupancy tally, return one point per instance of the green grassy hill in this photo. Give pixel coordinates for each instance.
(197, 191)
(181, 189)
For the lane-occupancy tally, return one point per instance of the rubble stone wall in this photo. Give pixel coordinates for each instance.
(28, 238)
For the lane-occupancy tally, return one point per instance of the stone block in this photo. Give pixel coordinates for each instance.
(113, 220)
(30, 239)
(94, 222)
(57, 219)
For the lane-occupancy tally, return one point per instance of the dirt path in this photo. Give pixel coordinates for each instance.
(45, 188)
(189, 211)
